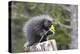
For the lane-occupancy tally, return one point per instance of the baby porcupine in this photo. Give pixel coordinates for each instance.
(35, 28)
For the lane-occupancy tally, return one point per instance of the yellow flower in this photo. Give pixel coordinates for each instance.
(52, 27)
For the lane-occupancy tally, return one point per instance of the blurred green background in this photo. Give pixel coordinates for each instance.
(22, 11)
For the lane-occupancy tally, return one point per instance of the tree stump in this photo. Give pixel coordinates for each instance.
(49, 45)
